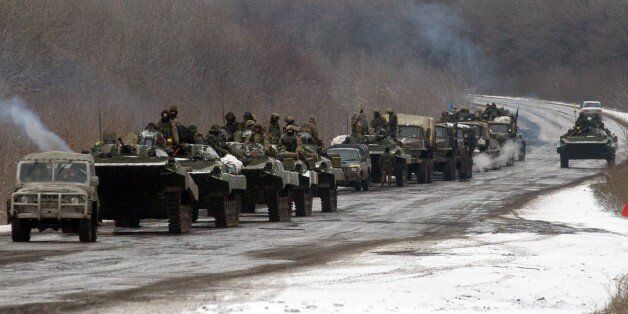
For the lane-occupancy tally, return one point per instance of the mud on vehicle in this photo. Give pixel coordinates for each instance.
(453, 156)
(143, 182)
(592, 143)
(268, 181)
(416, 135)
(220, 184)
(55, 190)
(355, 163)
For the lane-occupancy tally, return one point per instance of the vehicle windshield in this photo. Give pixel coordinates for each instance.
(410, 131)
(346, 154)
(30, 172)
(478, 131)
(441, 132)
(499, 128)
(459, 133)
(592, 104)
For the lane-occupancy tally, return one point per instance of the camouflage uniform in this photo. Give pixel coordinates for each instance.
(362, 119)
(174, 115)
(216, 138)
(231, 125)
(167, 128)
(387, 166)
(289, 121)
(195, 137)
(246, 117)
(257, 136)
(393, 122)
(290, 142)
(378, 123)
(273, 129)
(310, 127)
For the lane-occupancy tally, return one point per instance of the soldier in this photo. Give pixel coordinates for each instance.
(583, 121)
(257, 135)
(167, 128)
(174, 115)
(378, 123)
(393, 122)
(290, 141)
(387, 166)
(248, 129)
(357, 131)
(245, 118)
(289, 121)
(231, 125)
(446, 116)
(310, 127)
(361, 117)
(273, 129)
(195, 137)
(151, 136)
(217, 139)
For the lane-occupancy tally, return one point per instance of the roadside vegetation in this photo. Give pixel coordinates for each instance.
(611, 190)
(326, 58)
(619, 302)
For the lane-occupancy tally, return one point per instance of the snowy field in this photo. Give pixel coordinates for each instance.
(568, 271)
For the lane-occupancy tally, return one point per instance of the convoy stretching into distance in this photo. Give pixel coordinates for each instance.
(171, 171)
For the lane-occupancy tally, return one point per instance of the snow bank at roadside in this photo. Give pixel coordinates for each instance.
(514, 271)
(5, 228)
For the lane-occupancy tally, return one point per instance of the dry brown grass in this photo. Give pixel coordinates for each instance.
(612, 190)
(619, 301)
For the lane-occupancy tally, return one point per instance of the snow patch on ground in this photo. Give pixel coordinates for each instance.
(490, 272)
(5, 228)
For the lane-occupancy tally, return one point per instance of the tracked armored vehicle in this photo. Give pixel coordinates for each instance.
(268, 181)
(55, 190)
(589, 143)
(416, 134)
(143, 182)
(220, 184)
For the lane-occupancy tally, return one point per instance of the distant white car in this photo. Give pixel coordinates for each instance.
(591, 107)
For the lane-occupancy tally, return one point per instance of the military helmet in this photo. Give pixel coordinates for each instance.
(292, 128)
(173, 108)
(376, 111)
(192, 127)
(312, 119)
(215, 127)
(274, 116)
(230, 116)
(165, 113)
(249, 123)
(389, 111)
(248, 116)
(289, 119)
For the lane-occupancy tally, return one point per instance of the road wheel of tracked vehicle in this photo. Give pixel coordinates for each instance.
(303, 202)
(329, 199)
(564, 161)
(429, 172)
(366, 183)
(449, 173)
(226, 212)
(421, 173)
(86, 230)
(279, 206)
(20, 230)
(180, 219)
(401, 177)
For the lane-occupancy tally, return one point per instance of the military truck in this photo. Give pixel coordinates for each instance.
(55, 190)
(377, 144)
(267, 181)
(502, 133)
(588, 143)
(416, 134)
(453, 156)
(484, 142)
(144, 182)
(355, 163)
(219, 183)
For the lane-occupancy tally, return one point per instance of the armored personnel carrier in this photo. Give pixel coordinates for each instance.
(267, 181)
(219, 183)
(144, 182)
(587, 143)
(55, 190)
(327, 169)
(416, 134)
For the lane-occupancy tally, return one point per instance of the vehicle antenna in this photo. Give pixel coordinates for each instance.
(99, 125)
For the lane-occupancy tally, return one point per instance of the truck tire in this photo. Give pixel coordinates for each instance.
(522, 154)
(429, 172)
(449, 173)
(95, 220)
(85, 230)
(358, 186)
(564, 161)
(462, 172)
(20, 230)
(366, 183)
(401, 176)
(610, 160)
(226, 212)
(303, 202)
(329, 199)
(180, 219)
(195, 211)
(279, 208)
(470, 168)
(247, 208)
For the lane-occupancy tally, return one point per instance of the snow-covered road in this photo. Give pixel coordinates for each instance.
(149, 270)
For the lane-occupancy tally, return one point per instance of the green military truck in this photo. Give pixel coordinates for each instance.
(453, 155)
(416, 134)
(55, 190)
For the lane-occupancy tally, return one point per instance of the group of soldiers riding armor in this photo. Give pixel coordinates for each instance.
(378, 125)
(489, 113)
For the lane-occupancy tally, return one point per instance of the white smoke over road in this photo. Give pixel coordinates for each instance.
(15, 111)
(483, 161)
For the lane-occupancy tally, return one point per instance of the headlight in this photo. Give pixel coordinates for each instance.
(24, 199)
(354, 169)
(75, 200)
(231, 168)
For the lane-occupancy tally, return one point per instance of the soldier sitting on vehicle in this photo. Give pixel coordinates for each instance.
(248, 129)
(378, 123)
(217, 139)
(248, 116)
(167, 128)
(361, 117)
(257, 135)
(231, 125)
(273, 129)
(291, 143)
(195, 137)
(446, 116)
(150, 136)
(387, 166)
(174, 115)
(289, 120)
(393, 123)
(358, 131)
(311, 128)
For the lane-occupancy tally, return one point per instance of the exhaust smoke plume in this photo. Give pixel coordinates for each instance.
(14, 111)
(484, 162)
